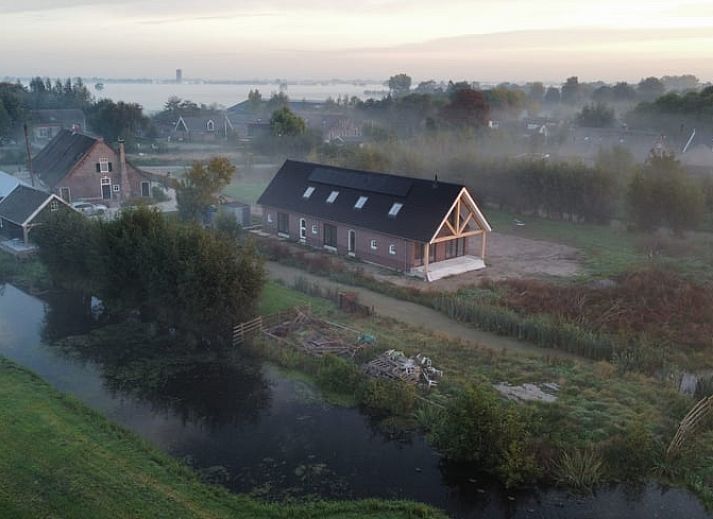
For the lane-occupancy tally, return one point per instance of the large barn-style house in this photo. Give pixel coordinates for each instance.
(423, 227)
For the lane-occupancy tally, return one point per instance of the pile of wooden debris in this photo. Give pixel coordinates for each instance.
(394, 365)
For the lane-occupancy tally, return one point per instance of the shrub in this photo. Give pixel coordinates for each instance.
(632, 454)
(478, 428)
(337, 374)
(386, 395)
(159, 194)
(579, 469)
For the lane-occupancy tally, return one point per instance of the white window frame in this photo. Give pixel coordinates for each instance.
(210, 125)
(308, 192)
(332, 197)
(360, 202)
(303, 229)
(315, 229)
(392, 249)
(103, 165)
(54, 205)
(373, 245)
(395, 208)
(116, 188)
(269, 218)
(106, 181)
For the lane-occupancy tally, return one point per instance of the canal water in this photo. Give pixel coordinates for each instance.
(254, 429)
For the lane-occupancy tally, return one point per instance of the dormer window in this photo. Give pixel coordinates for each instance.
(210, 126)
(395, 209)
(332, 197)
(360, 203)
(308, 192)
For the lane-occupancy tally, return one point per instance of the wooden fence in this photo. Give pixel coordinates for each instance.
(251, 328)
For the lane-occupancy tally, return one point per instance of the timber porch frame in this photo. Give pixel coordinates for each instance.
(463, 220)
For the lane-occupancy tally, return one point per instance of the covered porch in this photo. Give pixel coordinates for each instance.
(455, 245)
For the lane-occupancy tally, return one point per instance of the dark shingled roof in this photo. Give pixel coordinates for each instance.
(19, 205)
(425, 202)
(64, 116)
(56, 159)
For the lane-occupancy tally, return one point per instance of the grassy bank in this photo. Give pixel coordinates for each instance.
(60, 459)
(29, 274)
(624, 418)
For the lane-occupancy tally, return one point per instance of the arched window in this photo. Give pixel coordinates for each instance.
(210, 126)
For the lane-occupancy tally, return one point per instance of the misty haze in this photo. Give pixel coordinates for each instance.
(385, 259)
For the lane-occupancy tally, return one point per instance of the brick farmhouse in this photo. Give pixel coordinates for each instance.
(76, 167)
(424, 227)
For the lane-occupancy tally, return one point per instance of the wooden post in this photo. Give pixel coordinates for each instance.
(482, 245)
(426, 254)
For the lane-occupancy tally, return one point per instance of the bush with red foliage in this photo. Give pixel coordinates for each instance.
(658, 303)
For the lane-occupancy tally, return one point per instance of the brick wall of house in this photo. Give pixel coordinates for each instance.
(84, 182)
(402, 259)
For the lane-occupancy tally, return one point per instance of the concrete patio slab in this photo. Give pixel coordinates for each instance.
(449, 267)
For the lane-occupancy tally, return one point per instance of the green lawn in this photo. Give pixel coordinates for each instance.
(60, 459)
(246, 191)
(276, 297)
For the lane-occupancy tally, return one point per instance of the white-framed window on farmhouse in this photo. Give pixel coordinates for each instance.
(54, 205)
(115, 187)
(104, 165)
(373, 245)
(315, 229)
(106, 181)
(392, 249)
(210, 126)
(269, 218)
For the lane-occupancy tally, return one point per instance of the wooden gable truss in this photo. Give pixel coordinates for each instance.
(464, 219)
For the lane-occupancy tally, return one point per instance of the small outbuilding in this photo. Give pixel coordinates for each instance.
(24, 208)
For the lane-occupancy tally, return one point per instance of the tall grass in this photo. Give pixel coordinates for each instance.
(580, 469)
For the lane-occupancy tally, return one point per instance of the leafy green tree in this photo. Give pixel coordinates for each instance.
(284, 123)
(650, 88)
(662, 194)
(596, 115)
(552, 96)
(254, 99)
(477, 428)
(120, 120)
(400, 84)
(200, 186)
(571, 91)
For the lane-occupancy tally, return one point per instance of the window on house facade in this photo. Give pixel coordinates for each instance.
(360, 203)
(332, 197)
(330, 235)
(308, 192)
(392, 249)
(106, 181)
(283, 223)
(315, 229)
(116, 188)
(54, 205)
(395, 209)
(373, 245)
(210, 126)
(104, 165)
(269, 218)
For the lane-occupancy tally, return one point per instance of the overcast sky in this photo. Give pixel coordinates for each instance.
(487, 40)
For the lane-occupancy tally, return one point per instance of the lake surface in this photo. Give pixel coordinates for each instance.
(254, 429)
(152, 96)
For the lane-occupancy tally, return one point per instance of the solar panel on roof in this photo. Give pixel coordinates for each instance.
(362, 181)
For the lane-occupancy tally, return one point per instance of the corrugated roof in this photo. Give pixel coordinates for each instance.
(19, 205)
(425, 202)
(56, 159)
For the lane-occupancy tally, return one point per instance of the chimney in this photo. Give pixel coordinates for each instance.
(125, 192)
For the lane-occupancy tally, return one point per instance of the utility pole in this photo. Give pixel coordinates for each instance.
(29, 155)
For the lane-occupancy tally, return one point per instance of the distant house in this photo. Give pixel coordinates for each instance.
(48, 123)
(424, 227)
(7, 184)
(25, 208)
(202, 128)
(75, 167)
